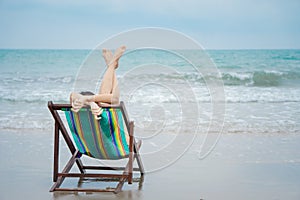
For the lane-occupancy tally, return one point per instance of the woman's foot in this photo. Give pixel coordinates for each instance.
(107, 55)
(117, 55)
(113, 60)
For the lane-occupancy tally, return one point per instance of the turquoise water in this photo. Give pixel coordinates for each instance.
(262, 92)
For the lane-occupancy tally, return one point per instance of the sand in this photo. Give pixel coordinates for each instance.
(241, 166)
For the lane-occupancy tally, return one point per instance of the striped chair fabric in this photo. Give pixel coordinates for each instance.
(106, 138)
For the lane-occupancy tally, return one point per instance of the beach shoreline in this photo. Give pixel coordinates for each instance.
(241, 166)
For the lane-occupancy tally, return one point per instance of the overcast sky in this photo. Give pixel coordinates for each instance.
(215, 24)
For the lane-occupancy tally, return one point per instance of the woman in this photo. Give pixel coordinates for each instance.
(109, 91)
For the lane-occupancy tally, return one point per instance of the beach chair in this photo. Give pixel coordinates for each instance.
(110, 138)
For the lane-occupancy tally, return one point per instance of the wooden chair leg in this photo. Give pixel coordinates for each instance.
(122, 180)
(138, 157)
(56, 152)
(130, 168)
(131, 152)
(67, 168)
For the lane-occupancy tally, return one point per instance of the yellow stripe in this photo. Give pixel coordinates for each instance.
(100, 141)
(117, 133)
(79, 130)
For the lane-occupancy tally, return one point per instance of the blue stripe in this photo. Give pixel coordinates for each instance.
(113, 132)
(76, 133)
(91, 120)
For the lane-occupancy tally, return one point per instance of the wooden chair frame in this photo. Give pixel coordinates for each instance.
(59, 177)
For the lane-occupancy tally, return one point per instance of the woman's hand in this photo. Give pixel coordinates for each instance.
(96, 110)
(76, 101)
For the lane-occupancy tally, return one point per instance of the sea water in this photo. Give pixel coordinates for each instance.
(261, 87)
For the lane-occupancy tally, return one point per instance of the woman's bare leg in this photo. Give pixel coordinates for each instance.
(107, 84)
(109, 91)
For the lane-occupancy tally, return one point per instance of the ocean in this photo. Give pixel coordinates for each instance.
(261, 88)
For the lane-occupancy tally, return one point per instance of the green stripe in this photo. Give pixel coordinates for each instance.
(99, 145)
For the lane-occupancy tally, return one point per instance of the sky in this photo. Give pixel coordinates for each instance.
(215, 24)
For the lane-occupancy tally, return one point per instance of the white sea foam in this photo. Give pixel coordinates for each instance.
(261, 95)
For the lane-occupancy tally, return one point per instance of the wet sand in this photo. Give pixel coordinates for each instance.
(241, 166)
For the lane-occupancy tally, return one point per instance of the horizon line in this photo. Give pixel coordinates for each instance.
(90, 49)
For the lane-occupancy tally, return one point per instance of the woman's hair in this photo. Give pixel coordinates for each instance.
(86, 93)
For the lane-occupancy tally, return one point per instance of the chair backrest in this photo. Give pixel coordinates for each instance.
(107, 138)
